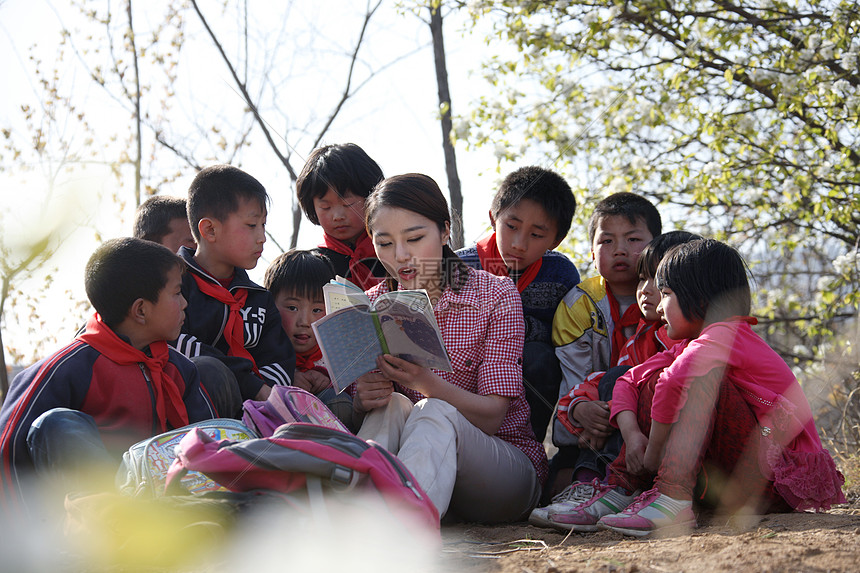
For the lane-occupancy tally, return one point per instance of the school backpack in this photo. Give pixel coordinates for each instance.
(144, 466)
(308, 460)
(287, 404)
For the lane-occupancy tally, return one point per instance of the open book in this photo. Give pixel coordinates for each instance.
(354, 332)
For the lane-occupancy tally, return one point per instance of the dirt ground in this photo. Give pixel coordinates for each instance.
(804, 542)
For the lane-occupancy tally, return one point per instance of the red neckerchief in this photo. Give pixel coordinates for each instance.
(307, 360)
(359, 273)
(631, 318)
(491, 261)
(234, 330)
(168, 400)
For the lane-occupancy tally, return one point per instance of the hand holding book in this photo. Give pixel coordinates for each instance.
(355, 331)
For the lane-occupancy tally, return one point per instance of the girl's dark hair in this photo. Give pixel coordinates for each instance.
(303, 273)
(709, 278)
(344, 167)
(123, 270)
(420, 194)
(656, 249)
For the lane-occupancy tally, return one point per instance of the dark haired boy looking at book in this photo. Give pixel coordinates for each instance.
(229, 316)
(74, 413)
(531, 214)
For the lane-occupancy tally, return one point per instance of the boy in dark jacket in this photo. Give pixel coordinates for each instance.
(116, 384)
(229, 316)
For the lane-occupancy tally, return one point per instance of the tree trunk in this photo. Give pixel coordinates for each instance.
(136, 102)
(445, 118)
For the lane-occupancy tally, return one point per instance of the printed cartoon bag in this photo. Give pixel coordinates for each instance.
(301, 458)
(288, 404)
(145, 464)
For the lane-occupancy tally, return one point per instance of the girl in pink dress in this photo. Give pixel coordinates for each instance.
(720, 409)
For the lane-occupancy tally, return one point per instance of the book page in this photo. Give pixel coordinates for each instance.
(410, 329)
(340, 293)
(349, 342)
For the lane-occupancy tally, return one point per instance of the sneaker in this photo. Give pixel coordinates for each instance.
(584, 517)
(649, 512)
(576, 493)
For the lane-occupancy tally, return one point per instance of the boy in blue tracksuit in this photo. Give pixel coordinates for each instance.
(117, 383)
(531, 214)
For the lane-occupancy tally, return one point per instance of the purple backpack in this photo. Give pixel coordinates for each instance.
(299, 458)
(287, 404)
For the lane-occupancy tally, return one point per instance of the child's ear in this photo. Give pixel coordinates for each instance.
(446, 234)
(207, 229)
(137, 312)
(492, 219)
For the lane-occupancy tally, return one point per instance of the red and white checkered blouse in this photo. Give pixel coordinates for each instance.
(483, 329)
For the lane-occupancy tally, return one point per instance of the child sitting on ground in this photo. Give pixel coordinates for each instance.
(332, 188)
(76, 412)
(164, 220)
(296, 279)
(229, 316)
(531, 215)
(595, 319)
(600, 446)
(721, 406)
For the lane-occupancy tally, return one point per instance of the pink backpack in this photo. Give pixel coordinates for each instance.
(287, 404)
(298, 458)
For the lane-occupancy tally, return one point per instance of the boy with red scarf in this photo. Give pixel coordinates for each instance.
(531, 215)
(596, 318)
(332, 187)
(229, 316)
(116, 384)
(296, 280)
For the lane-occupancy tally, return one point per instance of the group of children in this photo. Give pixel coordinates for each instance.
(649, 371)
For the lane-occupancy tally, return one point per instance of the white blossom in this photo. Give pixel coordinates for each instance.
(617, 185)
(501, 151)
(849, 60)
(712, 169)
(813, 41)
(841, 87)
(614, 11)
(789, 187)
(589, 17)
(639, 163)
(847, 263)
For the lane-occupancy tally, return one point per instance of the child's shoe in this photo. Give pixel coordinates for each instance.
(649, 512)
(584, 517)
(576, 493)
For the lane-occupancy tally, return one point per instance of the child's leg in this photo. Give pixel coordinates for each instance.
(619, 476)
(717, 431)
(592, 462)
(541, 378)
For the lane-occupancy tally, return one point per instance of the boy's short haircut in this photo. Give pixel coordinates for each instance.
(215, 192)
(123, 270)
(344, 167)
(303, 273)
(546, 188)
(657, 248)
(152, 218)
(630, 205)
(709, 279)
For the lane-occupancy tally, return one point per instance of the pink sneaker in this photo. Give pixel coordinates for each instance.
(584, 517)
(649, 512)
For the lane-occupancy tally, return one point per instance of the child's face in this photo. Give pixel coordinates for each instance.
(297, 315)
(678, 327)
(615, 250)
(165, 316)
(179, 235)
(409, 245)
(241, 236)
(341, 217)
(648, 297)
(524, 232)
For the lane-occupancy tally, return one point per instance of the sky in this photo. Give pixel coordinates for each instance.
(393, 117)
